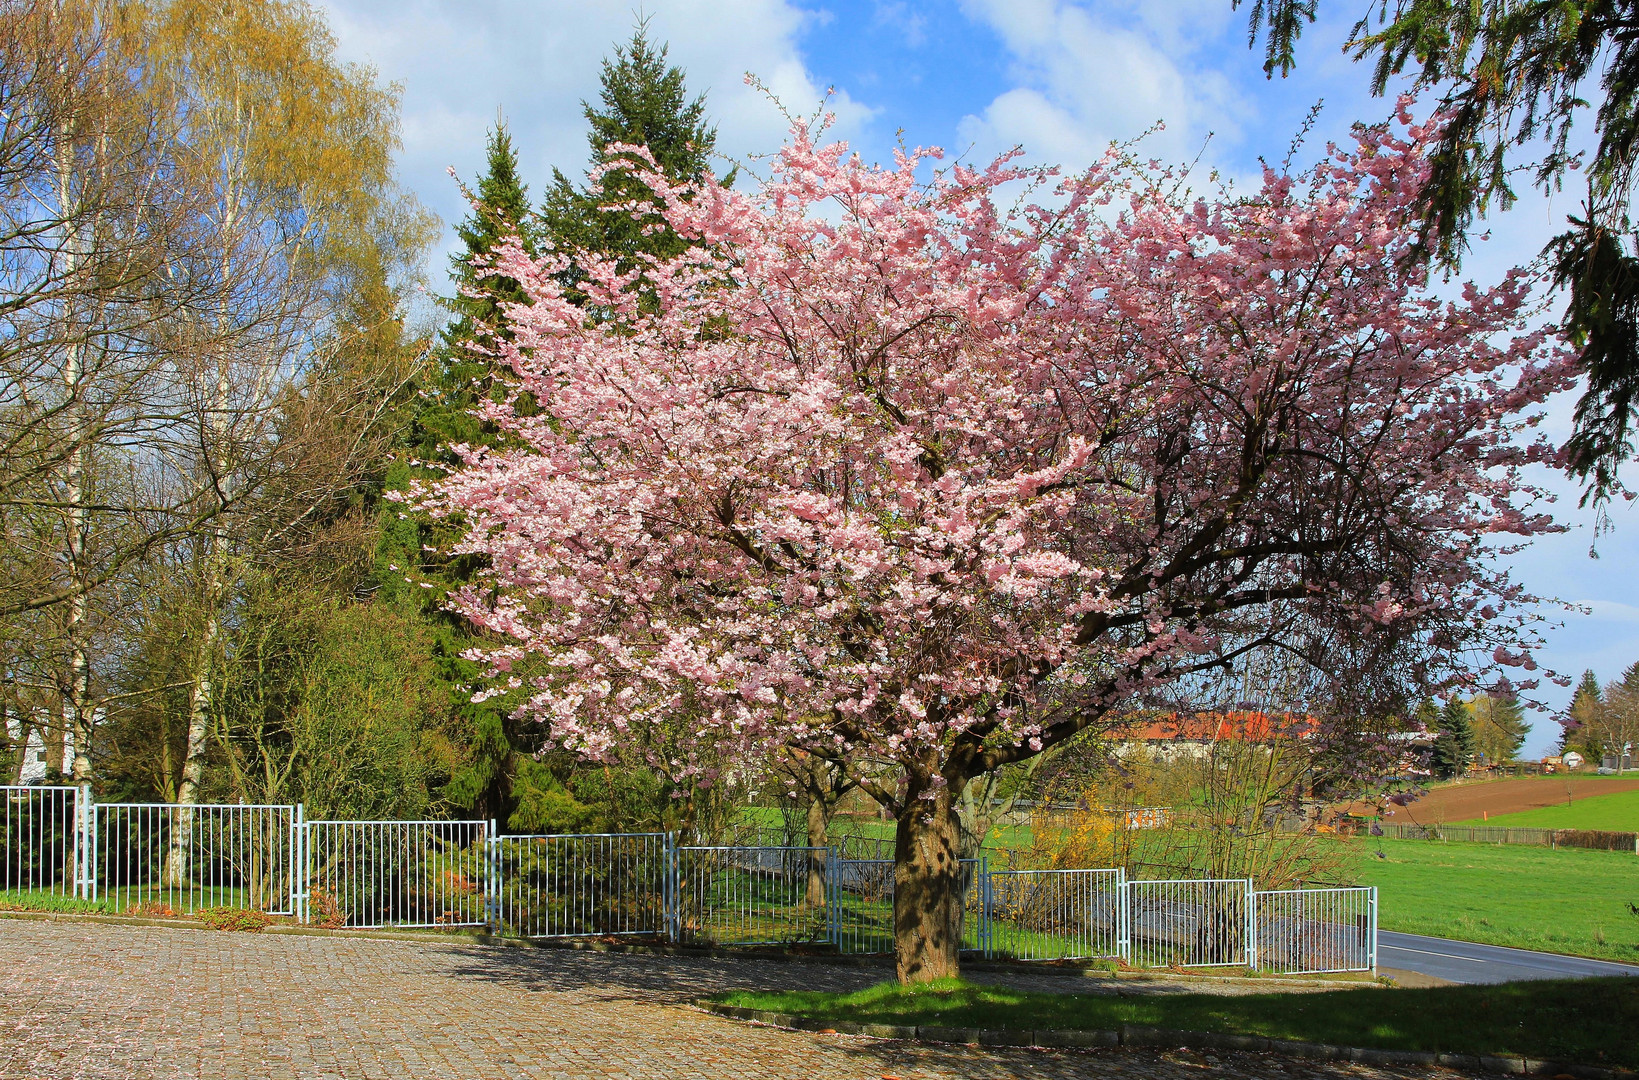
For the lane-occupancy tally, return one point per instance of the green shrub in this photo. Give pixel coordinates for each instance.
(238, 919)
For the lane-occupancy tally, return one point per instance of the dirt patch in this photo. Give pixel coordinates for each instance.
(1472, 800)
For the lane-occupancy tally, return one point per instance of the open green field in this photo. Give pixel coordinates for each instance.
(1566, 901)
(1611, 813)
(1587, 1020)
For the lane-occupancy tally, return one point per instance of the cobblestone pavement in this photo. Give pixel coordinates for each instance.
(143, 1003)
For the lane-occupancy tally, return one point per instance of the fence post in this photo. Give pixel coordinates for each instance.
(1371, 912)
(987, 905)
(1251, 926)
(85, 840)
(1123, 918)
(669, 887)
(492, 879)
(298, 865)
(832, 896)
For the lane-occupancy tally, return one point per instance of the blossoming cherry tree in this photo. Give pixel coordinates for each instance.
(891, 475)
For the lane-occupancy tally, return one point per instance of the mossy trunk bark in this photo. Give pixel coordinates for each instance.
(927, 901)
(819, 824)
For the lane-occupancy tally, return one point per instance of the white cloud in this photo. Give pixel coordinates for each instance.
(1084, 79)
(460, 63)
(1612, 611)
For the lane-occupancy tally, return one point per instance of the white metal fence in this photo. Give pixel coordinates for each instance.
(47, 840)
(170, 857)
(861, 905)
(746, 896)
(1190, 923)
(59, 843)
(1304, 930)
(1058, 914)
(566, 886)
(396, 873)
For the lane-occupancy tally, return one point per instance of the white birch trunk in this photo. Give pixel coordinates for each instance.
(78, 711)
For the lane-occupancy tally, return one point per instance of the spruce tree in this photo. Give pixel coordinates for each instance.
(1582, 723)
(463, 372)
(644, 101)
(1454, 748)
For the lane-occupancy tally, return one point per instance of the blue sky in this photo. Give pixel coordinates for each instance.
(1060, 77)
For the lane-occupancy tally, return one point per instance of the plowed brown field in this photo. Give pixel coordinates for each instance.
(1475, 799)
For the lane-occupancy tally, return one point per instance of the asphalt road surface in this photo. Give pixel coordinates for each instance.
(1466, 962)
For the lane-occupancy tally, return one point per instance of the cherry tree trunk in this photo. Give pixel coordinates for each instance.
(819, 826)
(927, 898)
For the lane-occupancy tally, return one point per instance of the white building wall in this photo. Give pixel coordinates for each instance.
(36, 753)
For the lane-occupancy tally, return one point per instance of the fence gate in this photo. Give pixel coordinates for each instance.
(580, 885)
(395, 873)
(860, 908)
(1309, 930)
(1058, 914)
(184, 857)
(1190, 923)
(46, 833)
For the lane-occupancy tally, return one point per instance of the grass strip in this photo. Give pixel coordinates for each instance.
(35, 900)
(1588, 1021)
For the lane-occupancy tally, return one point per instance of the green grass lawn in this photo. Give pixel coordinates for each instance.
(1569, 901)
(42, 900)
(1566, 901)
(1587, 1020)
(1611, 813)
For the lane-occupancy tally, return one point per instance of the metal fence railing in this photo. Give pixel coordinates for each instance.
(1308, 930)
(1058, 914)
(850, 846)
(860, 905)
(581, 885)
(171, 857)
(862, 898)
(745, 896)
(1190, 923)
(163, 857)
(47, 840)
(396, 873)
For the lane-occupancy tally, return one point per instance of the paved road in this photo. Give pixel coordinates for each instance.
(96, 1002)
(1466, 962)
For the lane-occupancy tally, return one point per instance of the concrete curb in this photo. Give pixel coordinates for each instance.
(1171, 1038)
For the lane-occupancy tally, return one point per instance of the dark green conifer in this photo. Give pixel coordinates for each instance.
(463, 371)
(644, 101)
(1582, 723)
(1454, 747)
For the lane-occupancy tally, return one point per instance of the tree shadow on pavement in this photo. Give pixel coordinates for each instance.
(675, 981)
